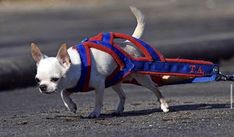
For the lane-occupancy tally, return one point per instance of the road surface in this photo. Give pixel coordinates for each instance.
(197, 110)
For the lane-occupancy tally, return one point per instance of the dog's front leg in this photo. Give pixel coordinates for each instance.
(70, 105)
(99, 93)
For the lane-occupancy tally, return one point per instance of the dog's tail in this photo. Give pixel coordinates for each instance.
(140, 22)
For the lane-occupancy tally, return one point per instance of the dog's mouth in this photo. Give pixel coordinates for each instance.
(47, 92)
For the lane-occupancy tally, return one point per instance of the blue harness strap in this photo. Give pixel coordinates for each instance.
(82, 86)
(153, 63)
(176, 68)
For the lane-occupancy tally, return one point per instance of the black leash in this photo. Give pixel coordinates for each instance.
(222, 77)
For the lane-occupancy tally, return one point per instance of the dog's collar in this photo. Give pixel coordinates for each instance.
(152, 63)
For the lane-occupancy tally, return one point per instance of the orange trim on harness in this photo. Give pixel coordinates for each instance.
(188, 61)
(112, 53)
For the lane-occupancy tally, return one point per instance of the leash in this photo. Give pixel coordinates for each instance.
(227, 77)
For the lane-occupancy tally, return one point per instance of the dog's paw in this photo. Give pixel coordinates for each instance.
(119, 111)
(164, 107)
(94, 114)
(72, 107)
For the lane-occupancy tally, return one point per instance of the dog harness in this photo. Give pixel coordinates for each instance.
(152, 62)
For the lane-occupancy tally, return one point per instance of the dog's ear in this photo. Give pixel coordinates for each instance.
(36, 53)
(63, 56)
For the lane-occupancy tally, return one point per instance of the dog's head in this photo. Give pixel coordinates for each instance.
(50, 70)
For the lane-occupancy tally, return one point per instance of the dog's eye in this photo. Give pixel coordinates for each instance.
(54, 79)
(37, 80)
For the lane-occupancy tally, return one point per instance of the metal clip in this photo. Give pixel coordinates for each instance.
(222, 77)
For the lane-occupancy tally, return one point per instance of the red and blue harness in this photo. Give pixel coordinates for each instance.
(152, 63)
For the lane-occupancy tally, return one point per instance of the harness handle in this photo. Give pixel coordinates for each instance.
(142, 46)
(134, 41)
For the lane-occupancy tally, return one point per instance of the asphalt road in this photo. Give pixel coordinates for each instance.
(186, 28)
(197, 110)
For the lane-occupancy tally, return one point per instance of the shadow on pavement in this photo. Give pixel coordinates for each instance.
(197, 107)
(177, 108)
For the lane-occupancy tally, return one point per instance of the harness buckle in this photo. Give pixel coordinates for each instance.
(85, 39)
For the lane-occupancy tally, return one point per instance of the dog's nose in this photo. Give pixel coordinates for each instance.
(43, 87)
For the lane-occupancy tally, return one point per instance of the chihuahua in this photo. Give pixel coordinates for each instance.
(62, 72)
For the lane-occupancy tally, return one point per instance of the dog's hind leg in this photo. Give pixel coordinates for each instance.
(146, 81)
(119, 90)
(70, 105)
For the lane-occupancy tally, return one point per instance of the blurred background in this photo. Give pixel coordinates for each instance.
(194, 29)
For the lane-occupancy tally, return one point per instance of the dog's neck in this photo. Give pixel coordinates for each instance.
(72, 77)
(73, 74)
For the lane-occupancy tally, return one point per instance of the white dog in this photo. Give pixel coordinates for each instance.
(63, 72)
